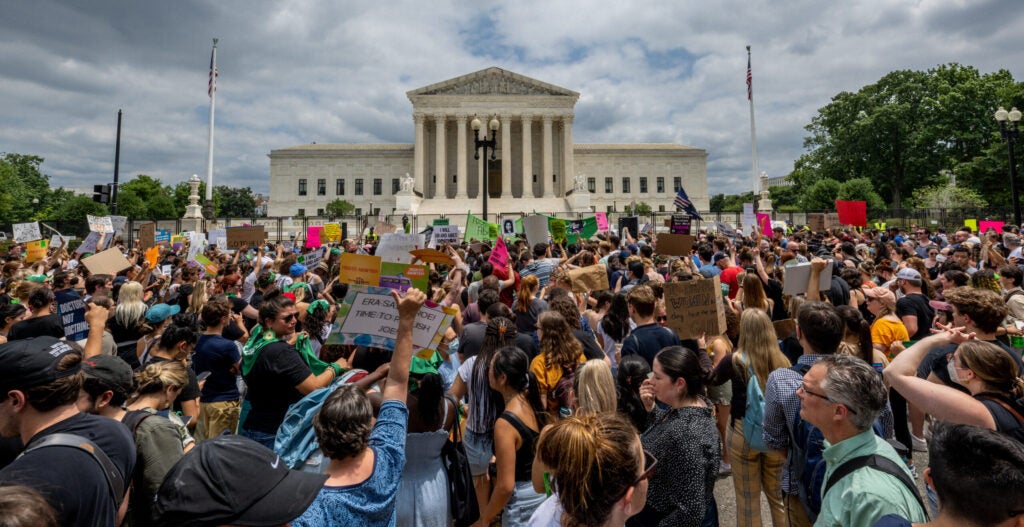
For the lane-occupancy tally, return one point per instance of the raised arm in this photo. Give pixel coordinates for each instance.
(409, 305)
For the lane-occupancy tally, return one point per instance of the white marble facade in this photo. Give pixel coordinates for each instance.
(536, 159)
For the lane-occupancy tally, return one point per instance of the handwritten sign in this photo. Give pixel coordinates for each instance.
(110, 261)
(377, 315)
(695, 307)
(100, 224)
(241, 237)
(26, 232)
(71, 309)
(445, 234)
(118, 223)
(35, 251)
(90, 243)
(332, 232)
(359, 269)
(312, 259)
(557, 227)
(395, 246)
(147, 235)
(602, 221)
(196, 244)
(674, 244)
(589, 278)
(499, 256)
(797, 278)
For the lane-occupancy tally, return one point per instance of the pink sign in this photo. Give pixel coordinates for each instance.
(499, 255)
(313, 236)
(984, 226)
(765, 221)
(602, 221)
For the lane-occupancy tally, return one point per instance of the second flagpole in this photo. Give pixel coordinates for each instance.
(753, 132)
(209, 154)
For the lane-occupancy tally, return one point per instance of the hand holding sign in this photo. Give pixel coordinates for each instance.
(409, 304)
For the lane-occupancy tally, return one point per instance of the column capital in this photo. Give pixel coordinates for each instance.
(567, 119)
(419, 117)
(547, 118)
(526, 117)
(440, 117)
(461, 117)
(505, 118)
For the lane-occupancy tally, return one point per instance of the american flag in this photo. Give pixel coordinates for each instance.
(750, 79)
(212, 87)
(682, 201)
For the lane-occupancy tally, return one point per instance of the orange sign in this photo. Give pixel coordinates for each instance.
(432, 256)
(360, 269)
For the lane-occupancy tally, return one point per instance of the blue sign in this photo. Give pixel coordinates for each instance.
(71, 309)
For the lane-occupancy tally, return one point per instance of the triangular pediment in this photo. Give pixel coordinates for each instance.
(493, 81)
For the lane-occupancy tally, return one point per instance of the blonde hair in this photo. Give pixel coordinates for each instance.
(595, 388)
(157, 376)
(130, 307)
(753, 292)
(199, 298)
(758, 347)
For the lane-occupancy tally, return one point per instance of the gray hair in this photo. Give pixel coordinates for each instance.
(853, 383)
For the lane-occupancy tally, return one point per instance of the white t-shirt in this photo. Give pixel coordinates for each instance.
(548, 514)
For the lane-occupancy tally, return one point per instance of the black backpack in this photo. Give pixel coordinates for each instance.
(1007, 416)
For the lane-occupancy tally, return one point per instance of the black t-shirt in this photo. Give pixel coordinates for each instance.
(590, 348)
(272, 380)
(69, 478)
(839, 292)
(773, 290)
(916, 304)
(935, 362)
(189, 392)
(37, 327)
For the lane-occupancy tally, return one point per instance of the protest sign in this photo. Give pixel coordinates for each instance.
(695, 307)
(313, 233)
(508, 228)
(632, 223)
(162, 237)
(360, 269)
(384, 228)
(674, 244)
(110, 261)
(377, 315)
(680, 224)
(332, 232)
(445, 235)
(764, 221)
(749, 220)
(147, 235)
(985, 225)
(476, 229)
(499, 255)
(557, 228)
(784, 328)
(219, 238)
(100, 224)
(312, 259)
(797, 276)
(972, 223)
(118, 223)
(241, 237)
(432, 256)
(71, 309)
(205, 264)
(395, 247)
(402, 277)
(35, 251)
(89, 244)
(589, 278)
(440, 222)
(602, 221)
(536, 228)
(816, 221)
(725, 228)
(58, 241)
(493, 231)
(832, 221)
(852, 212)
(153, 256)
(196, 244)
(26, 232)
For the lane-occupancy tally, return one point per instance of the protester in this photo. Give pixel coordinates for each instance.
(42, 322)
(560, 354)
(219, 404)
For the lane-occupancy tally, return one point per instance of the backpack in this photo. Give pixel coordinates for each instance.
(1009, 421)
(753, 418)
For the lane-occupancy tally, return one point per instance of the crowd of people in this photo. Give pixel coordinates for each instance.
(197, 398)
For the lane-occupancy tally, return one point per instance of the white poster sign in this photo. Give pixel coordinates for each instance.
(445, 234)
(377, 315)
(395, 247)
(536, 228)
(100, 223)
(26, 232)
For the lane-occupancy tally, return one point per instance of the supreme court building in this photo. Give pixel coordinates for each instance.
(537, 165)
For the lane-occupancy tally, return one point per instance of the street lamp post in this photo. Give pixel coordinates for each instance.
(484, 143)
(1010, 135)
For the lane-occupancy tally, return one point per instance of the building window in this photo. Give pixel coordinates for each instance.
(609, 208)
(554, 178)
(358, 211)
(378, 183)
(677, 182)
(434, 179)
(302, 187)
(319, 212)
(339, 187)
(625, 185)
(359, 187)
(455, 178)
(661, 208)
(609, 185)
(661, 185)
(395, 185)
(643, 185)
(301, 213)
(321, 187)
(535, 178)
(592, 185)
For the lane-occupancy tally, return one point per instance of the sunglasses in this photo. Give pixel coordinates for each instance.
(663, 319)
(290, 318)
(803, 388)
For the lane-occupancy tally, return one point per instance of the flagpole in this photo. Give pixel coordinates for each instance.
(213, 106)
(753, 132)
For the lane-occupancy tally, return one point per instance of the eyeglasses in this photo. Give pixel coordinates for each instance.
(290, 318)
(803, 388)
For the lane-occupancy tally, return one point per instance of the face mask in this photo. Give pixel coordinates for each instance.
(951, 370)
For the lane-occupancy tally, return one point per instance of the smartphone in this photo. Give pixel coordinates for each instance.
(203, 376)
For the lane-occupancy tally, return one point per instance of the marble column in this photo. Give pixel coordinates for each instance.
(461, 172)
(441, 166)
(527, 156)
(548, 160)
(568, 161)
(506, 156)
(419, 155)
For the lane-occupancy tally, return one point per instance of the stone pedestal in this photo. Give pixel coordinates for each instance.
(579, 201)
(193, 218)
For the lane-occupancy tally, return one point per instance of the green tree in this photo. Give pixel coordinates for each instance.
(129, 204)
(821, 195)
(161, 207)
(861, 189)
(784, 198)
(76, 208)
(235, 202)
(948, 197)
(339, 207)
(641, 208)
(143, 186)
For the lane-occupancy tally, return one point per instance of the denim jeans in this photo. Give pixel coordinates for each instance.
(262, 438)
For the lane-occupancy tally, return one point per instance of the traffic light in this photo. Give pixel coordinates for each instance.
(101, 193)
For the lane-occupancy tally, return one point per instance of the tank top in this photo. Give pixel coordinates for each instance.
(524, 456)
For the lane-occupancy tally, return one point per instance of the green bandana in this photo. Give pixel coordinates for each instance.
(293, 286)
(420, 366)
(318, 304)
(259, 338)
(316, 365)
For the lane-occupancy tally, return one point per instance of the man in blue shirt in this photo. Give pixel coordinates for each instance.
(649, 337)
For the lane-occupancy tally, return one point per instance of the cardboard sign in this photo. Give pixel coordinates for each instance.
(680, 224)
(445, 234)
(241, 237)
(589, 278)
(630, 222)
(536, 228)
(100, 224)
(119, 223)
(147, 235)
(35, 251)
(816, 222)
(332, 232)
(674, 244)
(797, 276)
(432, 256)
(110, 261)
(499, 256)
(784, 328)
(26, 232)
(695, 307)
(71, 309)
(359, 269)
(402, 277)
(219, 238)
(395, 247)
(508, 228)
(602, 221)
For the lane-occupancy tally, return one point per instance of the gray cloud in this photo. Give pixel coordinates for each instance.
(337, 71)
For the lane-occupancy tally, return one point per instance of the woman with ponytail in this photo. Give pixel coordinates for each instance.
(157, 386)
(857, 339)
(528, 307)
(515, 440)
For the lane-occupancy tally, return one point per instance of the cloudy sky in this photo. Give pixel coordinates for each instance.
(297, 71)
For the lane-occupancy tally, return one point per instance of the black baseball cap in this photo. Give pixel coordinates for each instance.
(112, 371)
(234, 480)
(28, 363)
